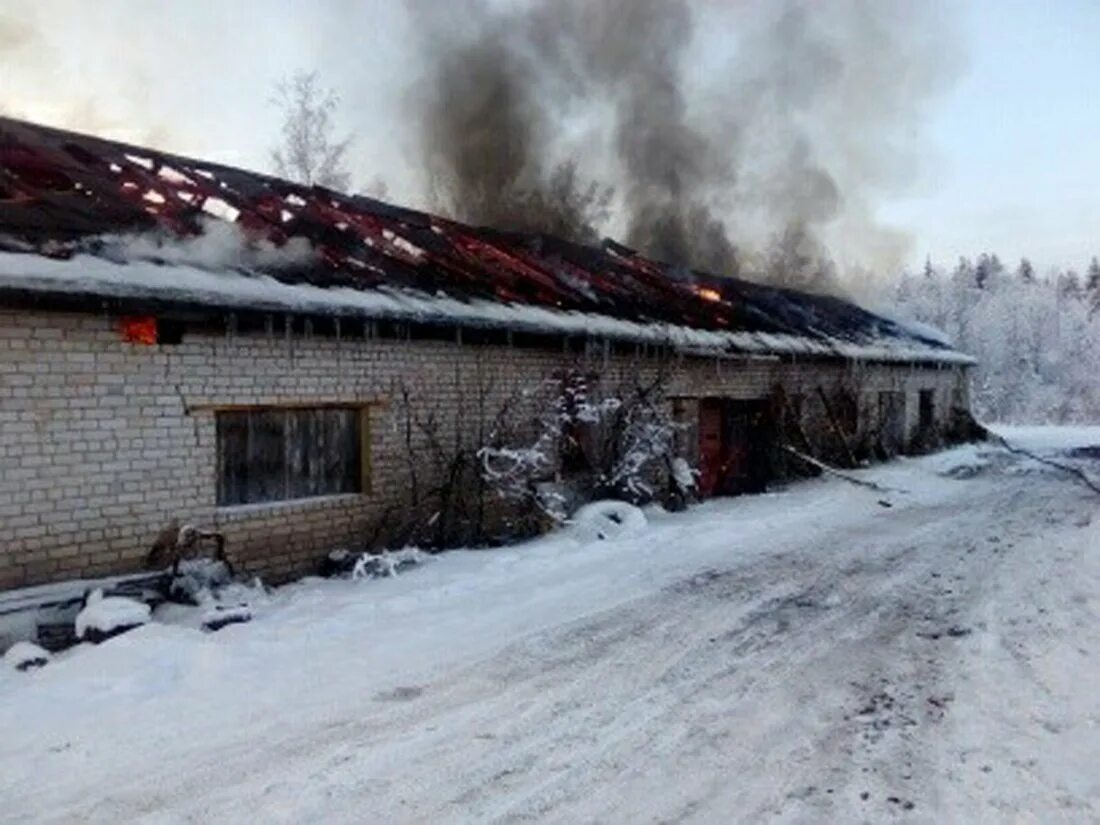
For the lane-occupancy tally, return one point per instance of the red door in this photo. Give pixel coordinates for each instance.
(711, 446)
(732, 441)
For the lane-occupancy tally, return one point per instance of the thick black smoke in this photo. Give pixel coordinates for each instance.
(486, 131)
(734, 153)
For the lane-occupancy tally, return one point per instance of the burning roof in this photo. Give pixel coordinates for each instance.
(69, 203)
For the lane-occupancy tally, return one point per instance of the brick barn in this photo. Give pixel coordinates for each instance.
(182, 342)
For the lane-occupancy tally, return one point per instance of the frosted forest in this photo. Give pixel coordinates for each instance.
(1036, 336)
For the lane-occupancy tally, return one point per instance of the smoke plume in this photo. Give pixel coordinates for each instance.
(487, 130)
(748, 138)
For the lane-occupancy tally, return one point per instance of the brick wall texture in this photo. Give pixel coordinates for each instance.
(103, 442)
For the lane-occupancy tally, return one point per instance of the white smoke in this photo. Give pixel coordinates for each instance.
(221, 245)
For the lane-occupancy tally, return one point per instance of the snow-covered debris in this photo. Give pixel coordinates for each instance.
(221, 615)
(608, 520)
(196, 578)
(107, 616)
(386, 563)
(683, 475)
(25, 656)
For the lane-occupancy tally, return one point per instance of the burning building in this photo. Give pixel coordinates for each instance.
(185, 341)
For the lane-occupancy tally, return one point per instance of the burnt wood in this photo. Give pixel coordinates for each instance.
(62, 192)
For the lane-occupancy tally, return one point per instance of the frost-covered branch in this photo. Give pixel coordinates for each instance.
(619, 444)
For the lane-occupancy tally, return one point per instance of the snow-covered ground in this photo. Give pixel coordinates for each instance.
(809, 655)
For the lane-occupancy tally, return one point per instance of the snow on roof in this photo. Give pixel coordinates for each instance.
(96, 277)
(90, 217)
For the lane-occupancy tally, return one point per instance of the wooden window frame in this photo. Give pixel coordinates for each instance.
(362, 408)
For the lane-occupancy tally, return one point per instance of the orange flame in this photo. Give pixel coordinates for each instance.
(139, 330)
(708, 294)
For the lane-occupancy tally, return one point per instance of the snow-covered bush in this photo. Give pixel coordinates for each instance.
(588, 445)
(643, 437)
(523, 471)
(508, 463)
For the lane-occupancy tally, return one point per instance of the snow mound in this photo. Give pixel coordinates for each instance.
(1049, 440)
(25, 656)
(607, 521)
(963, 462)
(104, 616)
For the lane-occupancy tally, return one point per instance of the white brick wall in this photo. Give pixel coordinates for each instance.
(102, 442)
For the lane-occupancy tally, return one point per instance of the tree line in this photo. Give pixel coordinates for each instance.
(1036, 337)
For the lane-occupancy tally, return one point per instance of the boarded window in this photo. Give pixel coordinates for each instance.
(281, 454)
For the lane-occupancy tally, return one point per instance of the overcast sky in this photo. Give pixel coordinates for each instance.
(1011, 162)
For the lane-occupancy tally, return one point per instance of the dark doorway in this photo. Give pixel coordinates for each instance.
(927, 410)
(891, 416)
(735, 444)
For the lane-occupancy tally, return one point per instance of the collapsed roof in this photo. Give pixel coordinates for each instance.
(85, 216)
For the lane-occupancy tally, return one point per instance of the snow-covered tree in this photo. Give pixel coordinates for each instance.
(1069, 282)
(1037, 339)
(1092, 284)
(309, 152)
(1092, 276)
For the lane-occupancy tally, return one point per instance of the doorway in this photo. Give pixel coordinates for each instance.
(735, 442)
(891, 416)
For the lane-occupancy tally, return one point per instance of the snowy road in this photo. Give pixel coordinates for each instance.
(802, 657)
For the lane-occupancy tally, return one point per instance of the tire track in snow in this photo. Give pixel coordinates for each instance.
(779, 689)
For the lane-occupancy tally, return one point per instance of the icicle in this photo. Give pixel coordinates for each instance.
(288, 333)
(339, 349)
